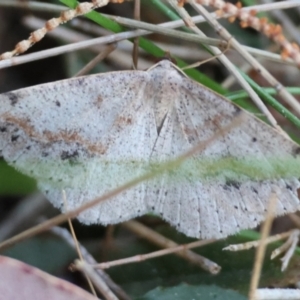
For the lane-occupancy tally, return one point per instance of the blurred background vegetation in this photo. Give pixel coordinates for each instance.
(22, 207)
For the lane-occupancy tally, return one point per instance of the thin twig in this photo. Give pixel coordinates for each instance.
(70, 35)
(137, 16)
(254, 244)
(91, 273)
(172, 247)
(100, 41)
(175, 24)
(295, 219)
(67, 237)
(40, 6)
(260, 253)
(227, 63)
(213, 269)
(76, 244)
(119, 37)
(33, 5)
(286, 96)
(103, 54)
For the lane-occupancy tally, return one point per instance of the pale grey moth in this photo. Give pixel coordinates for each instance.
(92, 134)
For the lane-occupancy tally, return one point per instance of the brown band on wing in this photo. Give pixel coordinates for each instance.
(50, 137)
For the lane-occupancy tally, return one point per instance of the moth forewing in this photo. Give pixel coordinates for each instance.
(91, 134)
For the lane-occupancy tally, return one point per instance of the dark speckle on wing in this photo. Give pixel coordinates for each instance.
(231, 183)
(68, 154)
(296, 151)
(14, 138)
(237, 110)
(12, 97)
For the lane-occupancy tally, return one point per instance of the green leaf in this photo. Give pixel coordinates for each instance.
(13, 183)
(38, 252)
(185, 291)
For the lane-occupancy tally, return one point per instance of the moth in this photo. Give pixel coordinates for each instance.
(91, 134)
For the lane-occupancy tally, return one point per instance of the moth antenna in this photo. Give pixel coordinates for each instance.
(249, 19)
(65, 16)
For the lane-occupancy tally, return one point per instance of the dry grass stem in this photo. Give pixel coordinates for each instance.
(65, 34)
(88, 258)
(286, 96)
(172, 247)
(33, 5)
(175, 24)
(288, 247)
(272, 31)
(94, 277)
(120, 56)
(226, 62)
(295, 219)
(76, 244)
(254, 244)
(135, 50)
(260, 253)
(102, 55)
